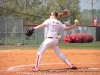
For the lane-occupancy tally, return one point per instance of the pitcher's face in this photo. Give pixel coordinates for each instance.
(51, 15)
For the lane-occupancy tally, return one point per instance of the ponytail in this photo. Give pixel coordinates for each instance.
(64, 13)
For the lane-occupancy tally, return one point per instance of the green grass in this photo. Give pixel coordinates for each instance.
(91, 46)
(22, 47)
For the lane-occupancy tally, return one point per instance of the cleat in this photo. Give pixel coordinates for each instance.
(35, 69)
(73, 67)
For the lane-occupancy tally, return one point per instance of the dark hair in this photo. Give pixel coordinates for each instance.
(55, 13)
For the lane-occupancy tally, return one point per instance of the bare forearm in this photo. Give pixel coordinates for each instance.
(39, 26)
(71, 27)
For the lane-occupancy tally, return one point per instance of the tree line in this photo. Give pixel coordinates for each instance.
(86, 16)
(36, 11)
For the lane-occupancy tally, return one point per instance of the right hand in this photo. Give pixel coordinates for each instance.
(76, 23)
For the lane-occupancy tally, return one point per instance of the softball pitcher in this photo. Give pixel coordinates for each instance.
(51, 39)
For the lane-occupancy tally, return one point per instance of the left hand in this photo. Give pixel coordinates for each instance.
(29, 32)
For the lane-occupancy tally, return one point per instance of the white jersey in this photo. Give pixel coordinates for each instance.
(52, 27)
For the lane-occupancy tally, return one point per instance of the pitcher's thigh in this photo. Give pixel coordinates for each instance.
(45, 44)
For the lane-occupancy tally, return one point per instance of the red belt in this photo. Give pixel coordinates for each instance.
(52, 37)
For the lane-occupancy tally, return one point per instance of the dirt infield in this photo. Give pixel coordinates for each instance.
(20, 62)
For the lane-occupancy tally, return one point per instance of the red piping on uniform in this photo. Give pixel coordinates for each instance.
(37, 61)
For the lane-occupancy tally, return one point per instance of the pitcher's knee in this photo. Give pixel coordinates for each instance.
(40, 53)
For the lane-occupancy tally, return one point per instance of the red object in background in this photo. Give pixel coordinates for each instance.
(95, 22)
(78, 38)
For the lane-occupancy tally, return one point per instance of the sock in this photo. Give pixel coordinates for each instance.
(38, 61)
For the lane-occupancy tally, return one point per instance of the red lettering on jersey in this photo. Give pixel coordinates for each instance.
(57, 23)
(53, 22)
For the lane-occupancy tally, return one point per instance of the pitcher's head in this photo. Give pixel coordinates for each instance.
(54, 15)
(62, 14)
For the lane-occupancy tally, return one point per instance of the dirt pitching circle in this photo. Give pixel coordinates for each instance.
(20, 62)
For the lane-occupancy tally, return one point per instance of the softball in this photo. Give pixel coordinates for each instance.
(76, 21)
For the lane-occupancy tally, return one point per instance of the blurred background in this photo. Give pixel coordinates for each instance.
(18, 15)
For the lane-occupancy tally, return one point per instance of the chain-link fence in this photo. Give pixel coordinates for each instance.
(78, 29)
(38, 35)
(83, 29)
(11, 30)
(36, 38)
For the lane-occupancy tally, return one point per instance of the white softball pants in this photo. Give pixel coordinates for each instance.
(50, 42)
